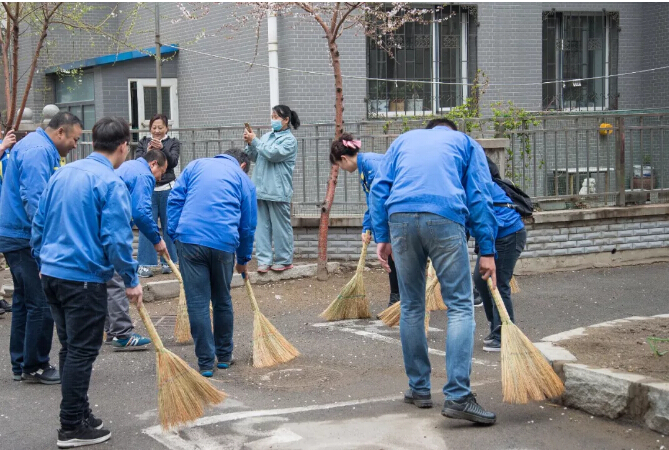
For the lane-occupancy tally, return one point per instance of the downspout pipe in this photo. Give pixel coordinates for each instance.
(273, 52)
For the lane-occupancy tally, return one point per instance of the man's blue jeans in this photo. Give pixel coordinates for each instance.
(146, 254)
(207, 274)
(508, 250)
(414, 238)
(32, 323)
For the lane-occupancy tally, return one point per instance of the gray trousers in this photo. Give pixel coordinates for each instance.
(118, 323)
(274, 225)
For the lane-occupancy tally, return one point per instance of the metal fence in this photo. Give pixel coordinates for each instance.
(566, 161)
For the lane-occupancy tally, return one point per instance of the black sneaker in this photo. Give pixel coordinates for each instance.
(493, 346)
(492, 336)
(394, 298)
(47, 375)
(93, 422)
(421, 401)
(4, 306)
(82, 436)
(478, 302)
(468, 409)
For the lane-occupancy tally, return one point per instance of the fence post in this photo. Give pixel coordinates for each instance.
(620, 160)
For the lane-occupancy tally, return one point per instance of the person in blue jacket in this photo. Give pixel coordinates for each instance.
(428, 186)
(140, 176)
(274, 154)
(344, 152)
(7, 142)
(35, 158)
(211, 215)
(81, 234)
(509, 244)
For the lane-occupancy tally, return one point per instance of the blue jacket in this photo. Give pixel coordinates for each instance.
(508, 220)
(437, 171)
(274, 155)
(82, 231)
(137, 176)
(3, 167)
(368, 164)
(34, 160)
(213, 204)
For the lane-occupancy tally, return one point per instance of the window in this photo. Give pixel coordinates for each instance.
(577, 46)
(424, 54)
(76, 94)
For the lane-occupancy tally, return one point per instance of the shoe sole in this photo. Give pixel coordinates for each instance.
(478, 305)
(34, 380)
(419, 403)
(72, 443)
(263, 271)
(491, 349)
(281, 270)
(455, 414)
(134, 348)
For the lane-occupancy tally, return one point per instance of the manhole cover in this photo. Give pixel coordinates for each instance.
(298, 377)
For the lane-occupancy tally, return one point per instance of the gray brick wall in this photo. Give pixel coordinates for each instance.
(655, 90)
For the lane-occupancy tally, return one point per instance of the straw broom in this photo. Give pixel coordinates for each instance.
(182, 325)
(182, 392)
(269, 346)
(513, 284)
(351, 302)
(526, 375)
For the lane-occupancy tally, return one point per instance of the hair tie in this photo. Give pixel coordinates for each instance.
(352, 144)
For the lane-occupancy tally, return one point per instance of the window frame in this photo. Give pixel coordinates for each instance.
(80, 104)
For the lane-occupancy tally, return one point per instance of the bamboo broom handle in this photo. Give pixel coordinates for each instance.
(157, 342)
(363, 253)
(249, 291)
(174, 269)
(503, 314)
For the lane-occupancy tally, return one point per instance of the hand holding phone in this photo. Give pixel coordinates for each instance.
(248, 127)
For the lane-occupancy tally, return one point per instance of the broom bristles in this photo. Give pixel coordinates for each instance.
(182, 333)
(526, 374)
(433, 298)
(391, 315)
(269, 346)
(351, 302)
(513, 284)
(182, 392)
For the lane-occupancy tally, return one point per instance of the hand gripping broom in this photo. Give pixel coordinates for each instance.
(351, 302)
(182, 325)
(269, 346)
(182, 392)
(526, 375)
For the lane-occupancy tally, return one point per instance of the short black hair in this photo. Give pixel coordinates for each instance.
(241, 157)
(441, 121)
(338, 149)
(64, 119)
(285, 112)
(155, 117)
(157, 156)
(109, 133)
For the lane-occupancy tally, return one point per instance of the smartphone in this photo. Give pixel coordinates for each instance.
(248, 127)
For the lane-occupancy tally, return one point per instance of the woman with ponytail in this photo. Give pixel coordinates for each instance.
(274, 155)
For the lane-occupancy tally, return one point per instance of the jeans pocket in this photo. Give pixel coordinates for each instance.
(398, 236)
(446, 234)
(190, 252)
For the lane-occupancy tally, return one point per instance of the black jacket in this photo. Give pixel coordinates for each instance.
(171, 149)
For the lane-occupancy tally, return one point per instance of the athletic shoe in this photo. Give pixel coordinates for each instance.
(4, 306)
(109, 340)
(81, 436)
(468, 409)
(493, 346)
(207, 373)
(134, 342)
(166, 269)
(225, 364)
(2, 311)
(478, 302)
(281, 267)
(16, 377)
(394, 298)
(421, 401)
(46, 375)
(144, 272)
(264, 268)
(93, 422)
(491, 337)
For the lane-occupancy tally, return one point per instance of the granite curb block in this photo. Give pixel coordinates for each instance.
(605, 392)
(168, 289)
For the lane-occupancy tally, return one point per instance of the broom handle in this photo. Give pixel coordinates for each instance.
(249, 291)
(363, 253)
(157, 342)
(503, 314)
(174, 268)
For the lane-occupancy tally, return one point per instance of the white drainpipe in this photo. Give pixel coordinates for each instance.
(273, 51)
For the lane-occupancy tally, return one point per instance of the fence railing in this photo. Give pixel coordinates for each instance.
(567, 161)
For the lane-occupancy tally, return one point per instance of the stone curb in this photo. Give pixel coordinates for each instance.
(606, 392)
(168, 289)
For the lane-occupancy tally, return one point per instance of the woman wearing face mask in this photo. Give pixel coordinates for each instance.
(171, 147)
(274, 155)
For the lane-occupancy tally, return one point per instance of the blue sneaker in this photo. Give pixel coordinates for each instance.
(207, 373)
(225, 364)
(133, 343)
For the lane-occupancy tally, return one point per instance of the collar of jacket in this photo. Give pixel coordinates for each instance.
(102, 159)
(227, 157)
(281, 132)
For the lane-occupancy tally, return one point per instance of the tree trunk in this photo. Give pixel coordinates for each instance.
(322, 273)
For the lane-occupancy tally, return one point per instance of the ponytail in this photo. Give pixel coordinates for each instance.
(285, 112)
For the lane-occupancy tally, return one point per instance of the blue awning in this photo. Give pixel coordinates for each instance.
(165, 50)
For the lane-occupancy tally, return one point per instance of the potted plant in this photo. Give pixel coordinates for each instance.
(644, 178)
(415, 103)
(397, 93)
(378, 100)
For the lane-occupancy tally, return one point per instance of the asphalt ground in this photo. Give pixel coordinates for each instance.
(345, 391)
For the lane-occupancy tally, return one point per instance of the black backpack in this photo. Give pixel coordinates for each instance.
(522, 202)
